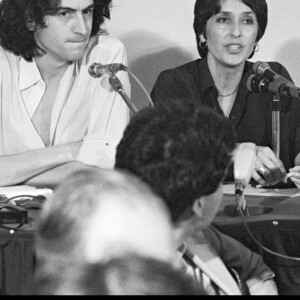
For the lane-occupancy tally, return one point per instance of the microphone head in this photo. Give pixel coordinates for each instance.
(253, 83)
(97, 70)
(258, 84)
(92, 70)
(260, 67)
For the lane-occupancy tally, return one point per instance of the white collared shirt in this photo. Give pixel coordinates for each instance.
(85, 109)
(31, 85)
(213, 254)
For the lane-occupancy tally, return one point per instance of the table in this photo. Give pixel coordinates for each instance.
(17, 259)
(277, 230)
(17, 254)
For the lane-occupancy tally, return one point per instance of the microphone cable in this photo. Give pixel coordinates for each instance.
(111, 70)
(260, 245)
(142, 86)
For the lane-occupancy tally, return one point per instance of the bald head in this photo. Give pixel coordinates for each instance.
(96, 215)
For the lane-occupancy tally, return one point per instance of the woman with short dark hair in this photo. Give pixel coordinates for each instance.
(227, 35)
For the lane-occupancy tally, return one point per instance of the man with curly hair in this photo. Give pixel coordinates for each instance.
(54, 117)
(183, 153)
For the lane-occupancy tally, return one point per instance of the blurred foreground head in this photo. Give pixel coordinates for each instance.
(126, 275)
(97, 215)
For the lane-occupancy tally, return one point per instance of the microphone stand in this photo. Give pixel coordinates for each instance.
(276, 108)
(118, 87)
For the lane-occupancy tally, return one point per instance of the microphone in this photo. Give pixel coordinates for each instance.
(263, 69)
(244, 164)
(97, 70)
(258, 84)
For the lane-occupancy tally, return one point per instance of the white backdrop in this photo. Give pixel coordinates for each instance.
(158, 34)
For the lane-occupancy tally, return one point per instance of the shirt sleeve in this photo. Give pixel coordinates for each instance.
(248, 264)
(109, 114)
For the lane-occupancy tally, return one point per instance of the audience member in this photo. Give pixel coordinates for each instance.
(183, 153)
(96, 215)
(56, 118)
(125, 275)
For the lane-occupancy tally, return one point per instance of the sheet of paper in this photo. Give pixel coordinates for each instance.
(252, 191)
(19, 190)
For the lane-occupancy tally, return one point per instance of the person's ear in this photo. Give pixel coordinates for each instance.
(197, 208)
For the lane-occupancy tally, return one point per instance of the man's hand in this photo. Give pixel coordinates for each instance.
(269, 169)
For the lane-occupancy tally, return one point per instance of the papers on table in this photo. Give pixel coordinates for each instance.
(252, 191)
(19, 190)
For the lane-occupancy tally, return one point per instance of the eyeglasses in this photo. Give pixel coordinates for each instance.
(13, 211)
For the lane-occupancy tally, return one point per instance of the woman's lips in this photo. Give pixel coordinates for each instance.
(234, 47)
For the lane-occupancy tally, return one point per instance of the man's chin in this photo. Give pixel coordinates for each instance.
(75, 54)
(74, 57)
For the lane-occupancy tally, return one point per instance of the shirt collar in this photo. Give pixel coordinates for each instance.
(247, 72)
(76, 68)
(205, 75)
(30, 74)
(207, 80)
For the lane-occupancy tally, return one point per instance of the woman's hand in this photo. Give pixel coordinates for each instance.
(269, 169)
(294, 173)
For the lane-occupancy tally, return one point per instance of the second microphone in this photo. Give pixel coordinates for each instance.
(97, 70)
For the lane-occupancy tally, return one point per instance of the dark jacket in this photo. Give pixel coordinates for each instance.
(251, 115)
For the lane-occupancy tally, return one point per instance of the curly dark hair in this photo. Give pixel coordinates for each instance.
(181, 151)
(205, 9)
(16, 14)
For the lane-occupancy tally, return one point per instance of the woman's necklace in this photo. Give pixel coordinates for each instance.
(235, 90)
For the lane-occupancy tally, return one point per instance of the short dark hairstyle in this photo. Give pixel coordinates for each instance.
(130, 274)
(181, 151)
(205, 9)
(16, 14)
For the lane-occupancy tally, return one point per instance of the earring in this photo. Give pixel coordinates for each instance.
(31, 26)
(256, 48)
(203, 45)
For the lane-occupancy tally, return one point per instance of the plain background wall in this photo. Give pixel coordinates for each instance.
(158, 34)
